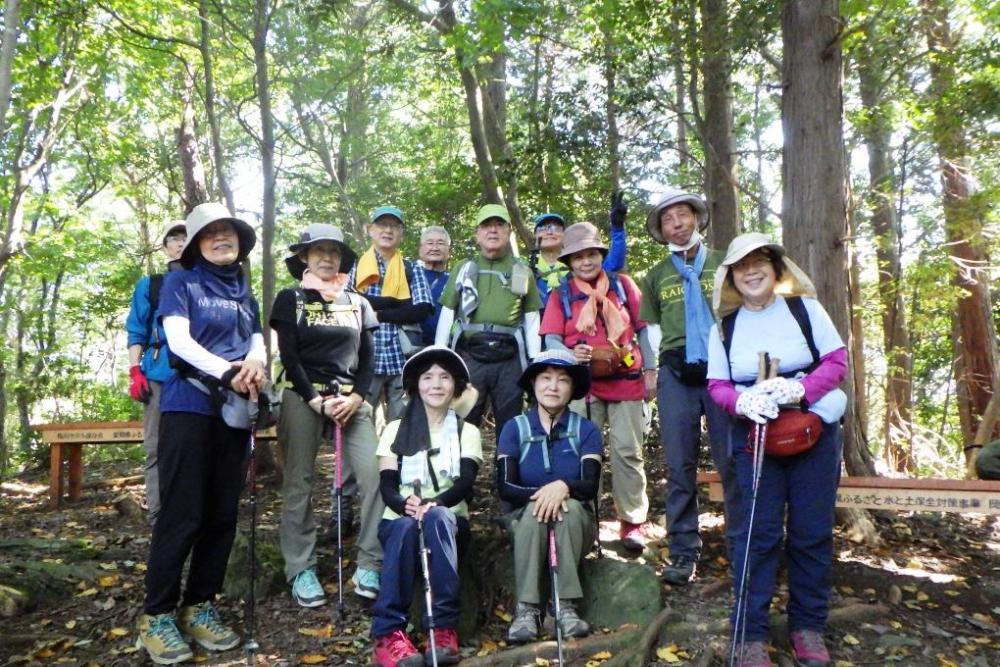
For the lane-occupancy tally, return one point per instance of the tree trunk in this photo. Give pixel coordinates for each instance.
(213, 119)
(814, 214)
(8, 49)
(195, 189)
(680, 102)
(976, 342)
(611, 109)
(262, 21)
(877, 133)
(720, 144)
(860, 461)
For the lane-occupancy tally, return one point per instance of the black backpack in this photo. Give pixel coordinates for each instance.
(801, 315)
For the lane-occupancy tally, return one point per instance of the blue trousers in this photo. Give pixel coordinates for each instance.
(796, 496)
(680, 408)
(401, 570)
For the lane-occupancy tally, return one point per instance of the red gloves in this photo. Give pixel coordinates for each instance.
(138, 386)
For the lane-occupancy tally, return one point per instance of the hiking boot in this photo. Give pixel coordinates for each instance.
(396, 650)
(809, 649)
(680, 570)
(524, 627)
(632, 536)
(366, 583)
(445, 645)
(306, 589)
(162, 640)
(200, 622)
(754, 654)
(570, 622)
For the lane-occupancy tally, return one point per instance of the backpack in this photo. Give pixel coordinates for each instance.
(526, 439)
(152, 331)
(801, 315)
(566, 299)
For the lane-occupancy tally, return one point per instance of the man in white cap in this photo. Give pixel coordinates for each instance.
(148, 358)
(676, 302)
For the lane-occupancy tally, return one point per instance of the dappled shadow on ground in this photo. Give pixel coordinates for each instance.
(929, 594)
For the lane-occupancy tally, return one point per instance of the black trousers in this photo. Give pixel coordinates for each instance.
(203, 465)
(496, 381)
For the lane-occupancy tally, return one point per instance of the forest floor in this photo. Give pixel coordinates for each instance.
(929, 594)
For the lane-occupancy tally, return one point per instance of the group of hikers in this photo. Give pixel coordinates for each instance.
(737, 338)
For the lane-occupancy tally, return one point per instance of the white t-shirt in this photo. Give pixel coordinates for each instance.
(471, 447)
(775, 331)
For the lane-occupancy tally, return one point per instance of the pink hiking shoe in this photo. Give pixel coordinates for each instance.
(754, 654)
(809, 649)
(396, 650)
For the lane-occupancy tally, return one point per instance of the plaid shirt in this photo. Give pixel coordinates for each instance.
(388, 354)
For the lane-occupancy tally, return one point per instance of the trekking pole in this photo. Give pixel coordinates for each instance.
(426, 569)
(759, 437)
(338, 489)
(250, 646)
(553, 566)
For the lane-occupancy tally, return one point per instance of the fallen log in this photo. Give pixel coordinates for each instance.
(572, 649)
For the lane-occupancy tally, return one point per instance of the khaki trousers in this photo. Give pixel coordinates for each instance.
(301, 432)
(574, 536)
(626, 424)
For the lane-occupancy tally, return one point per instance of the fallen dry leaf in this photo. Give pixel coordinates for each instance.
(312, 659)
(325, 631)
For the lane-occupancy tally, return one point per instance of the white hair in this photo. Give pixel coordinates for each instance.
(435, 229)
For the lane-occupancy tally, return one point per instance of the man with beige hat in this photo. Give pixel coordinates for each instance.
(676, 296)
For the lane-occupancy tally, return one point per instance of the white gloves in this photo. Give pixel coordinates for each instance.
(782, 390)
(756, 405)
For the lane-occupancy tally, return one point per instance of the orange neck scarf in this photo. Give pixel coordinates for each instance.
(330, 290)
(597, 295)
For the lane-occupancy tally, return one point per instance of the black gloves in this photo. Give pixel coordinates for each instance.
(619, 209)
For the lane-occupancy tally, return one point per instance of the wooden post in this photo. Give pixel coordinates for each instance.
(55, 474)
(75, 452)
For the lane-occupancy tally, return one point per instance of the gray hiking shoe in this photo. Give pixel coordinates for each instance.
(680, 570)
(570, 622)
(524, 628)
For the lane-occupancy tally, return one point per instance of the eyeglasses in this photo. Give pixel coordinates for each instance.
(549, 227)
(438, 243)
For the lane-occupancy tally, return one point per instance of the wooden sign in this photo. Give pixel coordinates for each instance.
(920, 500)
(91, 432)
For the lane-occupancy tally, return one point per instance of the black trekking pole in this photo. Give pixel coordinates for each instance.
(250, 646)
(759, 439)
(553, 567)
(338, 488)
(426, 569)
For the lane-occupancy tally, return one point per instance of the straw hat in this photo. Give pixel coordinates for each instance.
(793, 282)
(670, 198)
(313, 234)
(581, 236)
(202, 216)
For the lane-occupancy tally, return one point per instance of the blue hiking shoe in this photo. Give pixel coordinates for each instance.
(366, 583)
(307, 590)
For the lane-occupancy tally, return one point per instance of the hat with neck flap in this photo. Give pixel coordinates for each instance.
(793, 282)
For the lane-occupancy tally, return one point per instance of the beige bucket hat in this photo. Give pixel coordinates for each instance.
(793, 282)
(581, 236)
(202, 216)
(171, 228)
(669, 198)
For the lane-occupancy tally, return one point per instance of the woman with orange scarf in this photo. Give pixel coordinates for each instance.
(595, 314)
(324, 333)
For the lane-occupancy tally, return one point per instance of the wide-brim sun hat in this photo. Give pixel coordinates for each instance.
(441, 355)
(546, 217)
(391, 211)
(670, 198)
(492, 211)
(202, 216)
(793, 281)
(170, 229)
(581, 236)
(562, 359)
(315, 233)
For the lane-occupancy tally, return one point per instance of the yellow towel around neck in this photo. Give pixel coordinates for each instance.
(394, 281)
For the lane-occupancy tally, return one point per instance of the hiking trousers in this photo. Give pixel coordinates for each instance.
(625, 424)
(301, 432)
(680, 409)
(150, 442)
(202, 466)
(402, 570)
(574, 537)
(795, 505)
